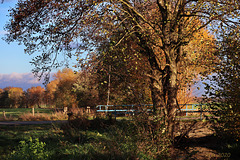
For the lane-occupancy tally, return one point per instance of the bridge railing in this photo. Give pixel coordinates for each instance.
(132, 109)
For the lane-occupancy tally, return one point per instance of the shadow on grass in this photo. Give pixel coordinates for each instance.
(222, 148)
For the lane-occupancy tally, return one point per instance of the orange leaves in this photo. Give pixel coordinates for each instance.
(15, 95)
(36, 90)
(35, 95)
(15, 92)
(59, 91)
(65, 75)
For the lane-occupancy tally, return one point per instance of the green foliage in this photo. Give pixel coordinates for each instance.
(86, 89)
(30, 150)
(223, 91)
(143, 137)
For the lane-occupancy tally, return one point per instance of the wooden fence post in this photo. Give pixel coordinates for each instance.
(88, 110)
(33, 111)
(65, 109)
(4, 115)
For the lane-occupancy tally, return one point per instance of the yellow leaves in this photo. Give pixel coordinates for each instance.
(15, 91)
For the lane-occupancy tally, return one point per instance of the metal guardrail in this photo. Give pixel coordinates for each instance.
(131, 109)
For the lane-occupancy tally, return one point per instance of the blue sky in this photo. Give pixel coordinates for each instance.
(12, 57)
(15, 69)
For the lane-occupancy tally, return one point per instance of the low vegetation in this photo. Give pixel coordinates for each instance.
(24, 113)
(82, 138)
(101, 138)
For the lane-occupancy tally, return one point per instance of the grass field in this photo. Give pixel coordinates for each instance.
(11, 135)
(92, 139)
(99, 140)
(15, 112)
(25, 114)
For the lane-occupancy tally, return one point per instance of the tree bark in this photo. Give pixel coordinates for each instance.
(172, 89)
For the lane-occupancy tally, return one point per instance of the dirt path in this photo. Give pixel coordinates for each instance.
(29, 122)
(201, 144)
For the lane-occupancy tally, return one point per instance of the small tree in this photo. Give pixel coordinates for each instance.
(64, 95)
(223, 91)
(86, 89)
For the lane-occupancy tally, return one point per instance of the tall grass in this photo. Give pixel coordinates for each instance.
(15, 113)
(43, 116)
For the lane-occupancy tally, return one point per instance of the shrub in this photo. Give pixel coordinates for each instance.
(144, 137)
(30, 150)
(227, 123)
(151, 136)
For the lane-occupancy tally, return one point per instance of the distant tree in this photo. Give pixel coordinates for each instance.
(50, 92)
(64, 95)
(15, 96)
(35, 96)
(86, 89)
(5, 102)
(2, 100)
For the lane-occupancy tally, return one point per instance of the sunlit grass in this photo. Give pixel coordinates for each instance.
(15, 113)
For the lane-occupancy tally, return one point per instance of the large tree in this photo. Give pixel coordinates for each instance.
(129, 70)
(161, 27)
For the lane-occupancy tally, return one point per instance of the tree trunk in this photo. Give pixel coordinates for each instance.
(164, 93)
(172, 88)
(158, 94)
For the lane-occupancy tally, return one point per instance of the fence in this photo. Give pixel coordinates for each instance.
(134, 109)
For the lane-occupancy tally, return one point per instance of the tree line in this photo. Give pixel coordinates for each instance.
(59, 93)
(88, 87)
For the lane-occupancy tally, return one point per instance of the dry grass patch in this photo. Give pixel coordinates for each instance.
(43, 116)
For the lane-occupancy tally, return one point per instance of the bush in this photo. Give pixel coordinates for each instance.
(144, 137)
(227, 123)
(30, 150)
(151, 137)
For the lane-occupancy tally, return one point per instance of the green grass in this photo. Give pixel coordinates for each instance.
(87, 139)
(76, 144)
(92, 139)
(14, 113)
(11, 135)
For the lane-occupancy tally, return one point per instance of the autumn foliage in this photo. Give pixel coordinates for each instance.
(162, 46)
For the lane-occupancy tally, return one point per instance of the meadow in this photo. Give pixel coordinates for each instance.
(98, 138)
(101, 137)
(26, 114)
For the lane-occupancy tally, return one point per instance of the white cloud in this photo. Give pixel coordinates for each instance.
(23, 80)
(15, 76)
